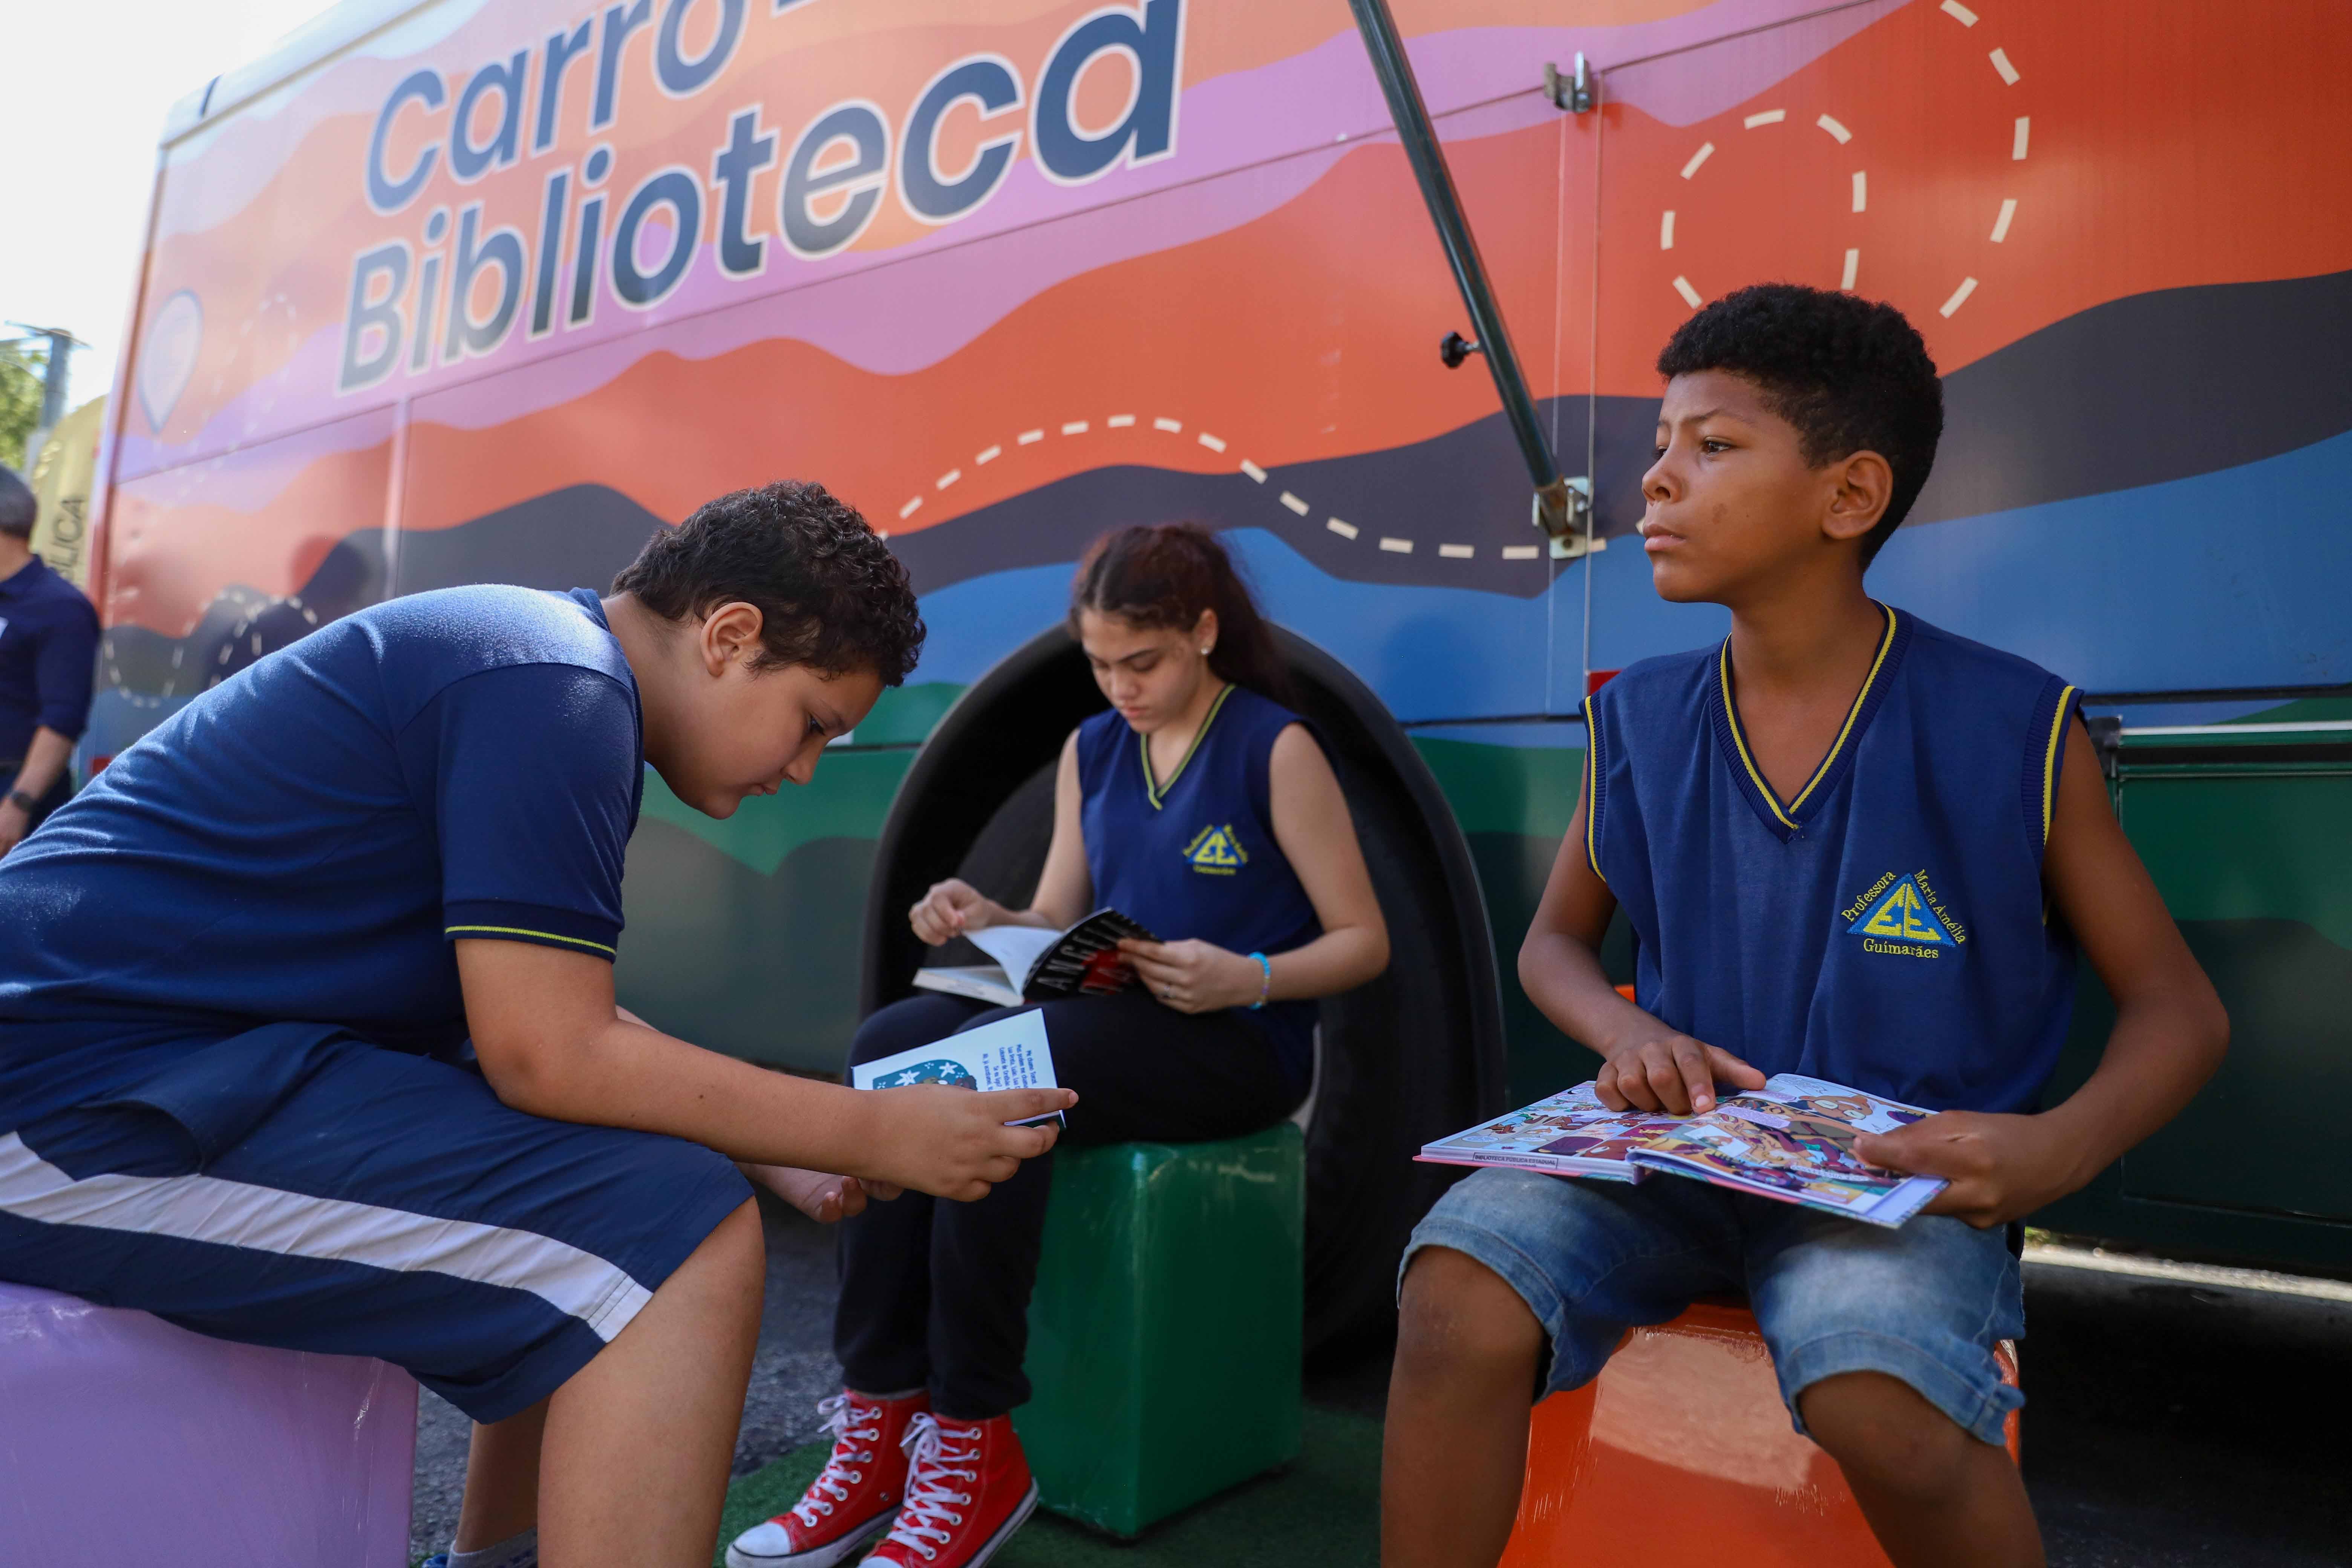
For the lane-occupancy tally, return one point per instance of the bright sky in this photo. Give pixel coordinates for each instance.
(87, 88)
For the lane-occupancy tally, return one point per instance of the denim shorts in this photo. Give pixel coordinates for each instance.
(1926, 1302)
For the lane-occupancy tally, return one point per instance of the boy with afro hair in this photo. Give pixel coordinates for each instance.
(1752, 808)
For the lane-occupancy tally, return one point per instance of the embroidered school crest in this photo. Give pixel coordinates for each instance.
(1216, 851)
(1903, 917)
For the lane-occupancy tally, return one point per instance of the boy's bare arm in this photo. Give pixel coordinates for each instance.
(552, 1043)
(2170, 1036)
(1647, 1066)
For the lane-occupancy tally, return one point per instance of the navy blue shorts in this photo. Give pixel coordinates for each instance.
(379, 1204)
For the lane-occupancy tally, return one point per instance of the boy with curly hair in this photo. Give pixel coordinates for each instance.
(1849, 845)
(308, 1034)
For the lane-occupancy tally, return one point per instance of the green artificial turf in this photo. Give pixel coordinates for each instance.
(1325, 1508)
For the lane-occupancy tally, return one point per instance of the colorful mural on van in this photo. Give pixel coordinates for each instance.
(488, 290)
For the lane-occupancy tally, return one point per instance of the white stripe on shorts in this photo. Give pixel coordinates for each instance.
(239, 1213)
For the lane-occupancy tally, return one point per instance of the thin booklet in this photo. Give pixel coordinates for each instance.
(1082, 960)
(1011, 1053)
(1791, 1141)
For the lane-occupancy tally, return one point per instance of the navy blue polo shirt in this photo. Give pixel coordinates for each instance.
(301, 842)
(48, 652)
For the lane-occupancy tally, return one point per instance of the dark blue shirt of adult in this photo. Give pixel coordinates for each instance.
(289, 856)
(48, 652)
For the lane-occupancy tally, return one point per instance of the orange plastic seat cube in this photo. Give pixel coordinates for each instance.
(1680, 1455)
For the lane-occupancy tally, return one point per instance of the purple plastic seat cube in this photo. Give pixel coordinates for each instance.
(124, 1439)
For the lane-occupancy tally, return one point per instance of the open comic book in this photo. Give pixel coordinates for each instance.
(1034, 964)
(1792, 1140)
(1011, 1053)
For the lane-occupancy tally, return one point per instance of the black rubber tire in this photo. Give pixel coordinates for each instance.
(1412, 1055)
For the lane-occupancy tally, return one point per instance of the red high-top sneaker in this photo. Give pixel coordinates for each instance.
(854, 1498)
(968, 1490)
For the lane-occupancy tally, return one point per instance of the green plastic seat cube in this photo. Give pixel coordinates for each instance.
(1164, 1337)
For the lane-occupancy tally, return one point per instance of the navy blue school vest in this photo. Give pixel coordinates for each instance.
(1194, 855)
(1886, 927)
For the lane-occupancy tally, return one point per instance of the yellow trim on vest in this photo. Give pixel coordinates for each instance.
(1153, 790)
(2050, 761)
(1739, 739)
(1885, 642)
(1731, 714)
(525, 931)
(1591, 789)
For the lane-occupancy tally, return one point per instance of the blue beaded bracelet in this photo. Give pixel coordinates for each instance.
(1265, 985)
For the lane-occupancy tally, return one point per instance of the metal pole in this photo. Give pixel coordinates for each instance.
(1411, 116)
(53, 383)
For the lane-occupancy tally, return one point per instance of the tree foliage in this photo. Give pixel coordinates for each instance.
(21, 369)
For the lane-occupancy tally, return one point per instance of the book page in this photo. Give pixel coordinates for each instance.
(1015, 947)
(1012, 1053)
(981, 981)
(1570, 1134)
(1794, 1140)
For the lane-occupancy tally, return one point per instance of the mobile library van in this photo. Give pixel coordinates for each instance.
(488, 290)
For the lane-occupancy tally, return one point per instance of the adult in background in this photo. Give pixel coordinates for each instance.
(1201, 807)
(49, 649)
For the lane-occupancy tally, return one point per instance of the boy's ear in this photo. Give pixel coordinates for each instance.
(1864, 484)
(730, 633)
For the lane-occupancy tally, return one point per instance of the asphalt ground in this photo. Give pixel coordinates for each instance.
(2170, 1422)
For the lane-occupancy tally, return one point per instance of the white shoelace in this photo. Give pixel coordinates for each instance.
(930, 1506)
(849, 1422)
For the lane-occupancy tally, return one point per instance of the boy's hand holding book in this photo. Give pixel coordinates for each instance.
(953, 1143)
(2000, 1167)
(1653, 1068)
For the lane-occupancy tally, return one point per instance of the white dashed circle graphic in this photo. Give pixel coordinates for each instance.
(2021, 141)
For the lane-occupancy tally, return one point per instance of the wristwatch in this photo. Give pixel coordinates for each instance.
(23, 801)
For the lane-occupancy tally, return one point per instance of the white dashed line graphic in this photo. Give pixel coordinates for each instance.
(1705, 151)
(1295, 504)
(1853, 268)
(1861, 190)
(2000, 224)
(2024, 134)
(1690, 295)
(1959, 12)
(1835, 129)
(1960, 296)
(1666, 230)
(1767, 117)
(2000, 63)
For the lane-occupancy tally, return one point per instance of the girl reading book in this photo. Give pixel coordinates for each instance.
(1206, 811)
